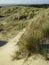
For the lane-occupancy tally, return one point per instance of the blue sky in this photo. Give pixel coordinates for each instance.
(24, 1)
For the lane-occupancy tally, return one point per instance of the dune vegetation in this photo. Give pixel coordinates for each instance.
(36, 34)
(14, 18)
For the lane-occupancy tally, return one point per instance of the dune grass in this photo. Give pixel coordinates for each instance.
(14, 18)
(35, 35)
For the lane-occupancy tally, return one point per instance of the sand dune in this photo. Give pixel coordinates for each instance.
(7, 50)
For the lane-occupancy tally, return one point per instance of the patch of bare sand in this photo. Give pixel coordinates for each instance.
(7, 50)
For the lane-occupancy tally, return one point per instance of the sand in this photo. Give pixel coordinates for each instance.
(8, 50)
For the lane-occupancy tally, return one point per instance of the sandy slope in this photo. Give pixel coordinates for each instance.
(8, 50)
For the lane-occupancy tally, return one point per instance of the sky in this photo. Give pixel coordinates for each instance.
(24, 1)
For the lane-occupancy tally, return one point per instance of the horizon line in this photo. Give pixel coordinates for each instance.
(24, 4)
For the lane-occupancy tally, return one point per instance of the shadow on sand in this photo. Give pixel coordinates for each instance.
(46, 46)
(2, 43)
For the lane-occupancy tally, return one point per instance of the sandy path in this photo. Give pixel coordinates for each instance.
(7, 50)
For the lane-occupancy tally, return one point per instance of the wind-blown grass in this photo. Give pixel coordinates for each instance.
(35, 35)
(14, 18)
